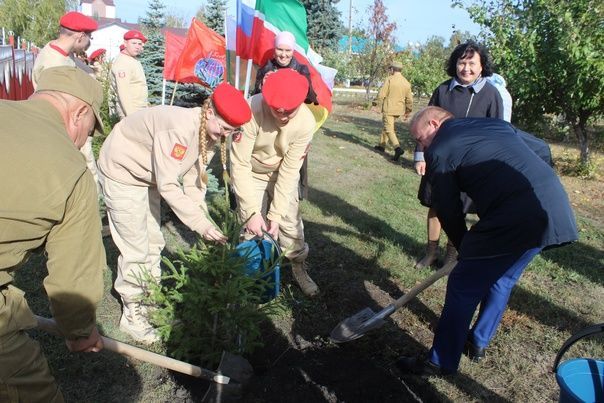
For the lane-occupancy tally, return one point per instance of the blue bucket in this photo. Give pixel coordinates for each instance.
(262, 260)
(580, 379)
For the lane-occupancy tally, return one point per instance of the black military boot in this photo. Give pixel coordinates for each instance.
(397, 153)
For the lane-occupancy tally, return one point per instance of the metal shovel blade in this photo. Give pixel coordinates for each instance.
(358, 324)
(239, 370)
(363, 321)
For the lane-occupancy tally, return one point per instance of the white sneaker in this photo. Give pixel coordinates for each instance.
(307, 285)
(137, 326)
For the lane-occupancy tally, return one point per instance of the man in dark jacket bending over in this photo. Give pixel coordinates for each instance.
(522, 209)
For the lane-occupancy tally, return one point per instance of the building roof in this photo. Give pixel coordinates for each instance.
(107, 2)
(106, 22)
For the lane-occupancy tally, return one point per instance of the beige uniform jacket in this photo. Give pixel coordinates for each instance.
(128, 84)
(48, 198)
(155, 147)
(49, 57)
(267, 148)
(395, 96)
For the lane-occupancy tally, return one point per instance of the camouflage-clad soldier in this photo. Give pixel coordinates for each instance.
(48, 200)
(395, 99)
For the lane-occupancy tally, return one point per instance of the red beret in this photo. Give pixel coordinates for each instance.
(285, 89)
(122, 47)
(230, 105)
(134, 34)
(78, 22)
(96, 54)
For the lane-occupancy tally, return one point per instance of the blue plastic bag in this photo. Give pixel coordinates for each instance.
(261, 257)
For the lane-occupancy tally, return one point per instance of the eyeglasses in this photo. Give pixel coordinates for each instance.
(226, 131)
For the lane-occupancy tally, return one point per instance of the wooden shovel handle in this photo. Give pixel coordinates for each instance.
(412, 293)
(50, 326)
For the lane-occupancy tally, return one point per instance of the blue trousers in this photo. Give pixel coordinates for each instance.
(486, 281)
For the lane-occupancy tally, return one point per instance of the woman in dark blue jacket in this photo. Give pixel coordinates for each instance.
(467, 94)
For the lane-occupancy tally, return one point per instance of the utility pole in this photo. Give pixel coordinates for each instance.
(350, 27)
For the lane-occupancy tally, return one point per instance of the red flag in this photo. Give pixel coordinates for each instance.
(174, 46)
(201, 43)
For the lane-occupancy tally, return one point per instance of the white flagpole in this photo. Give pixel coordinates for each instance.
(237, 70)
(163, 92)
(248, 76)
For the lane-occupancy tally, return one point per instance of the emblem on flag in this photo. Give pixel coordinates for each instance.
(209, 71)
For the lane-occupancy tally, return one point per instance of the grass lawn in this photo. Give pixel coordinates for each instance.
(365, 229)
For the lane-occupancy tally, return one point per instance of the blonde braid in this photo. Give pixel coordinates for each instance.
(203, 141)
(223, 160)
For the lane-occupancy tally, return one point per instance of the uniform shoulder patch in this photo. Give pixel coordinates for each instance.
(121, 74)
(178, 152)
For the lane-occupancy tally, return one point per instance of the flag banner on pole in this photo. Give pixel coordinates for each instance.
(201, 43)
(173, 49)
(258, 21)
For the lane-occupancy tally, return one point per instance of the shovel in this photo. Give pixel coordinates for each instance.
(365, 320)
(238, 366)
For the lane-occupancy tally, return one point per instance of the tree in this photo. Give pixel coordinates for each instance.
(551, 54)
(425, 70)
(377, 50)
(200, 15)
(152, 57)
(176, 21)
(155, 19)
(324, 24)
(214, 13)
(35, 21)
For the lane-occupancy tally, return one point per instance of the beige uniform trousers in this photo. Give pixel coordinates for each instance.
(24, 372)
(134, 221)
(291, 229)
(388, 133)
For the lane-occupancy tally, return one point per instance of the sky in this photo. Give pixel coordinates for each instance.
(416, 20)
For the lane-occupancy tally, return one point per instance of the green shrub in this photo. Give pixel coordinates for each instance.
(205, 303)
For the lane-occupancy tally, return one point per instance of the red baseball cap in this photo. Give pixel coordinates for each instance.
(78, 22)
(230, 105)
(134, 34)
(94, 55)
(285, 89)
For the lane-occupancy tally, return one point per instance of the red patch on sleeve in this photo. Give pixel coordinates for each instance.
(121, 74)
(178, 152)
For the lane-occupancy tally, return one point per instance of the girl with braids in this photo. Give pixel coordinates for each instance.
(161, 152)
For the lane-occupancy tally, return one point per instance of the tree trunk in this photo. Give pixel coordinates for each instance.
(583, 138)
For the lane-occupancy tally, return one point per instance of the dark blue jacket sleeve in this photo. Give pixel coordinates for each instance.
(446, 199)
(538, 146)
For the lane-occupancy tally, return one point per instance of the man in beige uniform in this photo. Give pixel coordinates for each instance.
(265, 167)
(142, 160)
(74, 36)
(128, 81)
(48, 200)
(395, 99)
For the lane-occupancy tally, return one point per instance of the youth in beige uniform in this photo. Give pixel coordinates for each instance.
(128, 81)
(74, 36)
(48, 200)
(142, 160)
(395, 99)
(265, 166)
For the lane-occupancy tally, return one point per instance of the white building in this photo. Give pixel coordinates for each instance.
(110, 34)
